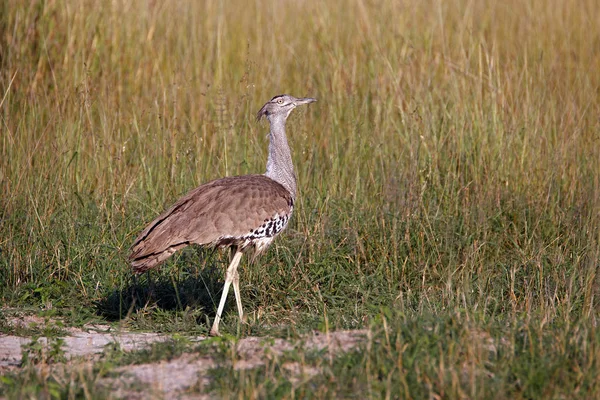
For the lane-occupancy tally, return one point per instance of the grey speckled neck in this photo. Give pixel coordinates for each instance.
(279, 163)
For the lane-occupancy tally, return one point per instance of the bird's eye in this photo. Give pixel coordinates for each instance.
(279, 101)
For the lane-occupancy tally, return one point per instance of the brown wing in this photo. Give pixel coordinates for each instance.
(225, 208)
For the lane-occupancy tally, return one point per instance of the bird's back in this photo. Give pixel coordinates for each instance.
(240, 210)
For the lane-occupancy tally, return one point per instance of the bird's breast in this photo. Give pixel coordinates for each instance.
(270, 227)
(260, 237)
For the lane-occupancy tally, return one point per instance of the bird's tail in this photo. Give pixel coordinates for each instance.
(149, 250)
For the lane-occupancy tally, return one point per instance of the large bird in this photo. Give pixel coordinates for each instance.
(241, 212)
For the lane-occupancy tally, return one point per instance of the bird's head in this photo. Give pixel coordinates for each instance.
(281, 106)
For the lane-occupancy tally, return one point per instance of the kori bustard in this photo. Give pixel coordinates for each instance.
(240, 212)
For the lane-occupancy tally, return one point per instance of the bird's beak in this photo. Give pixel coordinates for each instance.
(305, 100)
(261, 112)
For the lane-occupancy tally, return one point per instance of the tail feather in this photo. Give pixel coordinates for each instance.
(143, 260)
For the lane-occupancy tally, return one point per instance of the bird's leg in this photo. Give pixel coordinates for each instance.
(231, 272)
(238, 297)
(236, 287)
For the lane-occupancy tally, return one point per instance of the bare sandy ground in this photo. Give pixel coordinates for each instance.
(168, 379)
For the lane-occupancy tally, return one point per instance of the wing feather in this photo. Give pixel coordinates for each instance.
(224, 208)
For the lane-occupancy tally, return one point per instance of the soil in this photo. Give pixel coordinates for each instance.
(167, 378)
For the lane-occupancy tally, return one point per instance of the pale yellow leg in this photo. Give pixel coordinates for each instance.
(229, 278)
(238, 297)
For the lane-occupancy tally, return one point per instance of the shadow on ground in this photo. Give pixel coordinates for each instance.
(196, 284)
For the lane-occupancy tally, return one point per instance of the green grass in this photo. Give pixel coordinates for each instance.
(449, 181)
(432, 356)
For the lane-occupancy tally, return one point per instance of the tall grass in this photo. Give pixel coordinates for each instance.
(451, 168)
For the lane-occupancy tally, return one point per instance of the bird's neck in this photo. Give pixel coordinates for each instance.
(279, 163)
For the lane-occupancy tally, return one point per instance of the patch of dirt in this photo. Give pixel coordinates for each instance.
(173, 377)
(170, 378)
(79, 343)
(167, 378)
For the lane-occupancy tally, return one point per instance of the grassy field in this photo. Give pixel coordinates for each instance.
(449, 184)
